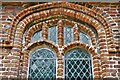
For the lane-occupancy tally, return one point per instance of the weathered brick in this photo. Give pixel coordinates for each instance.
(5, 61)
(11, 64)
(9, 73)
(117, 66)
(100, 16)
(1, 65)
(2, 69)
(12, 57)
(14, 69)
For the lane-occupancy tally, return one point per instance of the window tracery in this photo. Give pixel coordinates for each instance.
(78, 65)
(42, 64)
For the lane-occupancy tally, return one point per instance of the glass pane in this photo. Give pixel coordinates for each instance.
(52, 34)
(77, 53)
(84, 38)
(42, 53)
(42, 65)
(78, 65)
(68, 35)
(36, 36)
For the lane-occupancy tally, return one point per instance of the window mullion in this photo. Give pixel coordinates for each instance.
(76, 32)
(60, 33)
(44, 31)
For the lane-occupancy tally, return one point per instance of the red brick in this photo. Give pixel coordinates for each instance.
(5, 61)
(9, 73)
(117, 66)
(95, 13)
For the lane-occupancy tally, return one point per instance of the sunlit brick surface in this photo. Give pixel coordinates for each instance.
(20, 21)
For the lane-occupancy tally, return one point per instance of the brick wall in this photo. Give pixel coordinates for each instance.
(114, 12)
(104, 17)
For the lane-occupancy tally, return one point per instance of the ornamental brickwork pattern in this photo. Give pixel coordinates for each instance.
(98, 20)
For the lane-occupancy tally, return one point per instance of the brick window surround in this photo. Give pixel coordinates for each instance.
(92, 21)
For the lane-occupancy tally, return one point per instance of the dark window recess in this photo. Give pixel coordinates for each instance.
(114, 52)
(112, 24)
(115, 30)
(112, 15)
(103, 14)
(118, 15)
(116, 36)
(118, 10)
(90, 6)
(8, 19)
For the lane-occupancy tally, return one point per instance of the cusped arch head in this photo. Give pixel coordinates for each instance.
(84, 14)
(33, 9)
(89, 49)
(41, 44)
(67, 22)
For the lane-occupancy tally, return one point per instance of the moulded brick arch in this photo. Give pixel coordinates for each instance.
(31, 31)
(37, 27)
(44, 43)
(94, 12)
(62, 11)
(78, 44)
(84, 9)
(84, 14)
(52, 22)
(95, 24)
(24, 23)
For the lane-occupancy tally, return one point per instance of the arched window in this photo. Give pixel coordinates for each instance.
(77, 61)
(78, 65)
(84, 38)
(52, 34)
(42, 65)
(36, 36)
(68, 35)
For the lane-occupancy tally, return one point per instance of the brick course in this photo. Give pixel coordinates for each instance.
(103, 18)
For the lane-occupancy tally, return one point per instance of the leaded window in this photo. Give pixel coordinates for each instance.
(52, 34)
(36, 36)
(42, 65)
(78, 65)
(84, 38)
(68, 35)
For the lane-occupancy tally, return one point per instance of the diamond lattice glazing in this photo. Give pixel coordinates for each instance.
(78, 65)
(42, 65)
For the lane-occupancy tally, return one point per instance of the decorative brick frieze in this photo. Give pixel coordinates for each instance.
(105, 65)
(31, 31)
(71, 7)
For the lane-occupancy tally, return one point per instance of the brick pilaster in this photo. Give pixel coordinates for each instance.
(60, 33)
